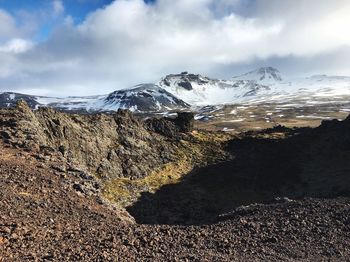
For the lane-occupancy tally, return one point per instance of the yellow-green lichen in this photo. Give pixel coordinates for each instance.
(202, 149)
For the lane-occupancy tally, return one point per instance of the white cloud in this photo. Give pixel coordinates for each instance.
(16, 46)
(58, 7)
(129, 42)
(7, 25)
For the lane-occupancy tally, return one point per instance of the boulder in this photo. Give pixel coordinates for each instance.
(172, 127)
(184, 122)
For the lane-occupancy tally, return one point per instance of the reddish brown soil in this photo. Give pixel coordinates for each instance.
(43, 219)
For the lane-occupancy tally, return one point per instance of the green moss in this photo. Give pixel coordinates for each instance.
(202, 148)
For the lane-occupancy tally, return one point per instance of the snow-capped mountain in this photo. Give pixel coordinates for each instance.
(311, 90)
(8, 99)
(199, 90)
(71, 103)
(264, 75)
(141, 98)
(181, 91)
(262, 85)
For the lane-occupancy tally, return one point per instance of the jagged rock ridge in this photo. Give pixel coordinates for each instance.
(117, 145)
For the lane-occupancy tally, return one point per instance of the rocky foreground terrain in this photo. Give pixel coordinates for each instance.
(118, 188)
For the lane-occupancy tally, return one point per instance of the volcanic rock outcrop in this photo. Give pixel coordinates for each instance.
(116, 145)
(172, 127)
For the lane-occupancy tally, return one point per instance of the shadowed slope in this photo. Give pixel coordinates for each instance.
(313, 163)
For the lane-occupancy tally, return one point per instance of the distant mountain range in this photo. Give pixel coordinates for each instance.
(185, 90)
(142, 98)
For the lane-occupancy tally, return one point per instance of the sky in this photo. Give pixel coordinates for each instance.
(87, 47)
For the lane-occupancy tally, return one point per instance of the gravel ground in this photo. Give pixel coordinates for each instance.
(42, 218)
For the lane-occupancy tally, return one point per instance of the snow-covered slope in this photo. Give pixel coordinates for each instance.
(198, 90)
(8, 99)
(180, 91)
(264, 75)
(311, 90)
(71, 103)
(142, 98)
(262, 85)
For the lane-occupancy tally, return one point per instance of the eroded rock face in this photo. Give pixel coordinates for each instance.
(184, 121)
(117, 145)
(169, 127)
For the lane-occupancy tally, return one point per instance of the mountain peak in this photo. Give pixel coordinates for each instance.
(263, 75)
(143, 97)
(184, 80)
(268, 69)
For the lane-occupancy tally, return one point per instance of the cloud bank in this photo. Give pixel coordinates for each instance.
(130, 42)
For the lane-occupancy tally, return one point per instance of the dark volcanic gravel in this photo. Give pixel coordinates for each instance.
(42, 219)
